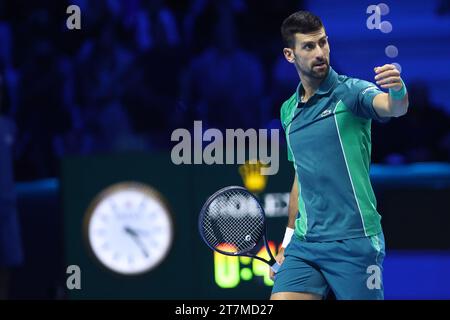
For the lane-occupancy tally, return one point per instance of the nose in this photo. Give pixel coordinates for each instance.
(319, 53)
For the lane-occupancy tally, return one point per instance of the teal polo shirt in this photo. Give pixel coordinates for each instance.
(329, 143)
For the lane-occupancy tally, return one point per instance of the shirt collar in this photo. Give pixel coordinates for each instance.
(325, 87)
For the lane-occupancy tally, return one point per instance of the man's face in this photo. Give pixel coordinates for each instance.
(311, 54)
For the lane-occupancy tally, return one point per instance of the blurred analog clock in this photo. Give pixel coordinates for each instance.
(128, 228)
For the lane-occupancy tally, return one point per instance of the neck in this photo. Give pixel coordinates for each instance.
(310, 85)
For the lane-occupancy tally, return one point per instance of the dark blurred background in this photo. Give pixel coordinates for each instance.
(138, 69)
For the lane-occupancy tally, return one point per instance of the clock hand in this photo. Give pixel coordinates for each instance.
(136, 239)
(141, 232)
(141, 246)
(130, 231)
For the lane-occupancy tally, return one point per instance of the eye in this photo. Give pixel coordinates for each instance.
(323, 41)
(309, 46)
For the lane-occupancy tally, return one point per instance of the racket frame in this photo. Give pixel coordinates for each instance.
(274, 265)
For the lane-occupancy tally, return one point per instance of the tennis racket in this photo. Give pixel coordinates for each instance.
(232, 222)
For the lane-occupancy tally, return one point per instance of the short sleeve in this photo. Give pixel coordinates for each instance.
(286, 112)
(289, 151)
(361, 96)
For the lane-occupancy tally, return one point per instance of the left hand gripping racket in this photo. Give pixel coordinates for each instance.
(232, 222)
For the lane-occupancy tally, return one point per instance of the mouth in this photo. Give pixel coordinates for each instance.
(320, 65)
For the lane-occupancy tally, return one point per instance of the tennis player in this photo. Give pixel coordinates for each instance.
(334, 239)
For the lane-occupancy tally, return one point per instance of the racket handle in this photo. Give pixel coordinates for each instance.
(275, 267)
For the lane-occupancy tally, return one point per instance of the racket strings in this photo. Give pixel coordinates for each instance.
(233, 221)
(232, 234)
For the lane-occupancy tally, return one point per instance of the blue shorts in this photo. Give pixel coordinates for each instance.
(351, 268)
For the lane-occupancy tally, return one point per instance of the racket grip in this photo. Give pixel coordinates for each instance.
(275, 267)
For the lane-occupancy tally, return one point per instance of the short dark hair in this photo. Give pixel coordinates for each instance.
(299, 22)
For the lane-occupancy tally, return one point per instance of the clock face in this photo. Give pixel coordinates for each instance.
(129, 228)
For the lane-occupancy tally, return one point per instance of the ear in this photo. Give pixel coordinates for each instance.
(289, 55)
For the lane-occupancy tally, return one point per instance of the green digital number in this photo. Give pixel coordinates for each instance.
(226, 270)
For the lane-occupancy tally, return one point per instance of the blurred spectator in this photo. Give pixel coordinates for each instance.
(116, 133)
(284, 83)
(40, 113)
(421, 136)
(11, 254)
(443, 7)
(224, 85)
(157, 26)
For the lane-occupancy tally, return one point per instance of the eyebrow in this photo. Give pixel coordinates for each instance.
(309, 42)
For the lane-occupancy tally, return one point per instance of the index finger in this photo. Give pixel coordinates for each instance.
(384, 68)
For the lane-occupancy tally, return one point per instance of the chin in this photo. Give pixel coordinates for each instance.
(321, 74)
